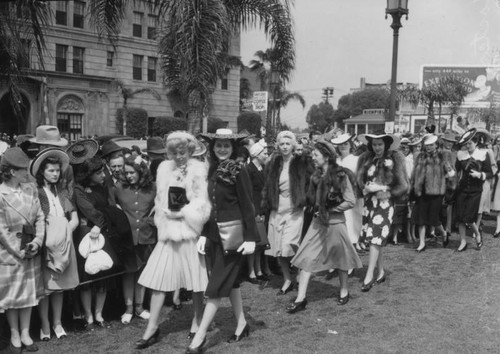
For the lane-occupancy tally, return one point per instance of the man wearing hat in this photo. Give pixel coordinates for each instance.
(156, 151)
(112, 153)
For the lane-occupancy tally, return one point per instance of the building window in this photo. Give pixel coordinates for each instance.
(137, 26)
(78, 13)
(151, 69)
(61, 56)
(137, 67)
(224, 81)
(109, 58)
(24, 60)
(70, 124)
(78, 60)
(62, 13)
(152, 23)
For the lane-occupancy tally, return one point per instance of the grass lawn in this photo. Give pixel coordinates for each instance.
(438, 301)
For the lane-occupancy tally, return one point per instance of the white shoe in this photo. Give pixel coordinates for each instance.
(44, 337)
(145, 315)
(59, 331)
(126, 318)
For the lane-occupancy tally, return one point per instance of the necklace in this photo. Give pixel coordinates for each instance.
(182, 172)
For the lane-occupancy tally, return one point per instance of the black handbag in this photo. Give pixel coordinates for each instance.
(27, 235)
(177, 198)
(231, 235)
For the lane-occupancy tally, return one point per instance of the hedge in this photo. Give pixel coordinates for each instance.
(165, 125)
(250, 121)
(137, 122)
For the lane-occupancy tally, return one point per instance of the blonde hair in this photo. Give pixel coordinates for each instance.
(287, 134)
(180, 139)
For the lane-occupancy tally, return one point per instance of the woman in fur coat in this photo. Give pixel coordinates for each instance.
(284, 195)
(181, 209)
(326, 244)
(432, 175)
(382, 176)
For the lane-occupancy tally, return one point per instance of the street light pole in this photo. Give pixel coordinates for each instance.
(395, 8)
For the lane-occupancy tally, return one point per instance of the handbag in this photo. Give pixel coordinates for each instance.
(231, 235)
(27, 235)
(177, 198)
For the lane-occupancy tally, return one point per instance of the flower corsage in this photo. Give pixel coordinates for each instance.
(228, 171)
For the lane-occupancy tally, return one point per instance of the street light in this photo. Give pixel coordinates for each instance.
(271, 116)
(395, 8)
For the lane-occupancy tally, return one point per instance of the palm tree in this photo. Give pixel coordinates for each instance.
(284, 97)
(127, 93)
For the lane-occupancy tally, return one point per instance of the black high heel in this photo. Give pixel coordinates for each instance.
(196, 350)
(479, 243)
(462, 249)
(343, 300)
(296, 306)
(419, 250)
(367, 287)
(191, 335)
(381, 279)
(144, 343)
(282, 292)
(237, 337)
(496, 234)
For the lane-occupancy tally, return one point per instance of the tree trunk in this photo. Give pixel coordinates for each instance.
(124, 117)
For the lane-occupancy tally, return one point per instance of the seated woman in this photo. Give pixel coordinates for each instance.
(22, 229)
(59, 264)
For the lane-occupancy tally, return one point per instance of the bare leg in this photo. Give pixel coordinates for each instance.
(100, 298)
(449, 215)
(86, 298)
(128, 291)
(303, 283)
(208, 316)
(24, 321)
(380, 264)
(43, 312)
(372, 261)
(498, 223)
(461, 231)
(157, 300)
(56, 299)
(421, 235)
(265, 261)
(138, 295)
(237, 304)
(344, 290)
(250, 263)
(13, 319)
(176, 297)
(285, 268)
(256, 263)
(197, 311)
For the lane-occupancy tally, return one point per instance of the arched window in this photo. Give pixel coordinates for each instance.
(70, 110)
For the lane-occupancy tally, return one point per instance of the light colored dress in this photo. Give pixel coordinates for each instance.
(353, 216)
(285, 224)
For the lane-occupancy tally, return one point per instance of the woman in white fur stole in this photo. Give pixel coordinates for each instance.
(181, 209)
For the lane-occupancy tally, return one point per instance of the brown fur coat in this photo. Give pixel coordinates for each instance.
(394, 176)
(298, 177)
(433, 173)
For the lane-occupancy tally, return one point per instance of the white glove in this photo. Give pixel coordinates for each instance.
(200, 245)
(247, 247)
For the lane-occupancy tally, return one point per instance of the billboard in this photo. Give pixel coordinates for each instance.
(483, 82)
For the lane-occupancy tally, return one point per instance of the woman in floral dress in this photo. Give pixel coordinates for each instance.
(382, 176)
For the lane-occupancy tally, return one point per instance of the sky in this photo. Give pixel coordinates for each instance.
(340, 41)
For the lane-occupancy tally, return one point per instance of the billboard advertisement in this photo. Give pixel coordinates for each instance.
(482, 81)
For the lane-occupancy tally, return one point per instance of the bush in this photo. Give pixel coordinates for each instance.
(215, 123)
(137, 122)
(165, 125)
(250, 121)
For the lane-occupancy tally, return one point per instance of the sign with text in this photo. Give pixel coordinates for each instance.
(482, 81)
(259, 101)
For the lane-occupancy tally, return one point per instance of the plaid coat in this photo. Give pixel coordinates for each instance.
(21, 283)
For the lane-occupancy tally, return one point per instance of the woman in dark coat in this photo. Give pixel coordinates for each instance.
(230, 191)
(473, 167)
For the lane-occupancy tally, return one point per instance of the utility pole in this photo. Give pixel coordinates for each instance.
(327, 93)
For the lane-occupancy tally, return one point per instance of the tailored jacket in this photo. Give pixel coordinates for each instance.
(231, 202)
(14, 213)
(431, 173)
(478, 161)
(389, 170)
(194, 214)
(137, 204)
(298, 182)
(258, 181)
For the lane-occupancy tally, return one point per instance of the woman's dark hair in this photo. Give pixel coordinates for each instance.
(5, 172)
(214, 160)
(85, 170)
(387, 143)
(40, 180)
(145, 178)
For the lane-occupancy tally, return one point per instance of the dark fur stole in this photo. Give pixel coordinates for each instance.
(430, 173)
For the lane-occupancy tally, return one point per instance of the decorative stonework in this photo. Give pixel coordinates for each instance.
(70, 103)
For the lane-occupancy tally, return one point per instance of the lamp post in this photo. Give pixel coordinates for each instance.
(395, 8)
(271, 116)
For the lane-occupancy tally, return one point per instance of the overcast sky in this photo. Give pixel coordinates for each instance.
(340, 41)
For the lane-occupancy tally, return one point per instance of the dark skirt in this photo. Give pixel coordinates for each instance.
(224, 271)
(467, 206)
(427, 210)
(143, 252)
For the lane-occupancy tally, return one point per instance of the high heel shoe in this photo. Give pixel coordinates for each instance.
(462, 249)
(420, 250)
(282, 292)
(296, 306)
(446, 240)
(479, 240)
(343, 300)
(29, 347)
(367, 287)
(144, 343)
(196, 350)
(59, 331)
(237, 337)
(496, 234)
(380, 280)
(44, 337)
(191, 335)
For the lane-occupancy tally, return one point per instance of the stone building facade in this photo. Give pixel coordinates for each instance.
(76, 91)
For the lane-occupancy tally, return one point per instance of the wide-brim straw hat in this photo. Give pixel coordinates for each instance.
(429, 139)
(223, 133)
(200, 149)
(484, 134)
(416, 140)
(48, 135)
(341, 139)
(328, 145)
(367, 138)
(82, 150)
(469, 134)
(49, 152)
